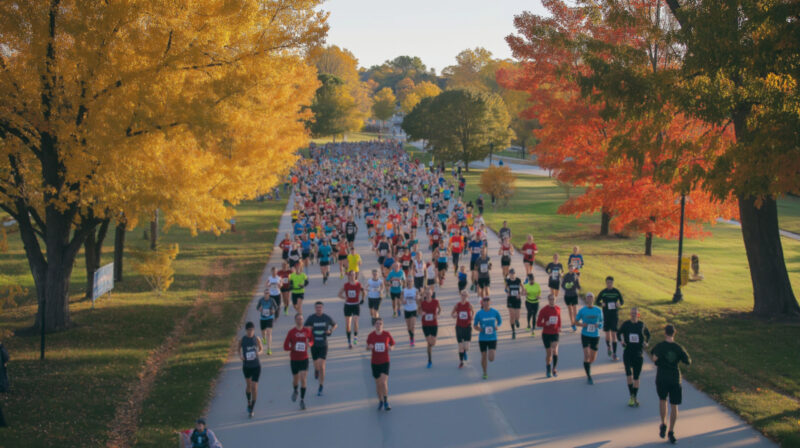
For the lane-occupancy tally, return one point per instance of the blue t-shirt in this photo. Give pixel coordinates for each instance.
(475, 247)
(446, 193)
(305, 246)
(488, 321)
(462, 277)
(388, 262)
(593, 317)
(299, 227)
(324, 252)
(396, 279)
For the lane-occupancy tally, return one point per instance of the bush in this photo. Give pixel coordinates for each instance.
(498, 182)
(156, 266)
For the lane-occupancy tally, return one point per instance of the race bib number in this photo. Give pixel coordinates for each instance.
(484, 267)
(463, 315)
(529, 251)
(396, 283)
(612, 305)
(429, 317)
(383, 252)
(250, 356)
(506, 253)
(266, 312)
(554, 275)
(351, 294)
(380, 347)
(514, 292)
(591, 328)
(633, 338)
(553, 320)
(300, 347)
(488, 330)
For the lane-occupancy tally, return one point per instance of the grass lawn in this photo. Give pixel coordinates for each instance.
(94, 363)
(789, 212)
(749, 365)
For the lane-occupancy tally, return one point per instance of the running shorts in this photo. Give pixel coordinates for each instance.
(514, 303)
(441, 266)
(297, 296)
(319, 352)
(252, 373)
(610, 321)
(673, 391)
(430, 331)
(266, 323)
(410, 314)
(487, 345)
(505, 261)
(589, 341)
(298, 366)
(374, 303)
(633, 365)
(455, 258)
(571, 300)
(342, 257)
(394, 295)
(418, 282)
(462, 285)
(463, 334)
(431, 281)
(277, 300)
(484, 282)
(553, 284)
(352, 310)
(548, 339)
(380, 369)
(324, 262)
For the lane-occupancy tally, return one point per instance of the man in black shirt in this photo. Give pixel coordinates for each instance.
(668, 355)
(514, 302)
(634, 336)
(321, 326)
(610, 299)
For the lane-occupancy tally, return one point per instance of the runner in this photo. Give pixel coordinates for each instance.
(274, 283)
(529, 251)
(353, 261)
(590, 318)
(634, 336)
(395, 279)
(410, 302)
(505, 231)
(575, 261)
(550, 321)
(532, 293)
(418, 270)
(286, 246)
(611, 301)
(380, 343)
(350, 229)
(554, 270)
(475, 248)
(456, 247)
(324, 253)
(297, 342)
(267, 311)
(249, 349)
(375, 288)
(299, 281)
(286, 286)
(462, 278)
(441, 264)
(463, 313)
(571, 285)
(341, 254)
(486, 322)
(430, 326)
(353, 295)
(321, 326)
(667, 355)
(505, 252)
(484, 265)
(513, 302)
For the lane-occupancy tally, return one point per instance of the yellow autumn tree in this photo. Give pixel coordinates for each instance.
(421, 91)
(340, 62)
(111, 109)
(499, 183)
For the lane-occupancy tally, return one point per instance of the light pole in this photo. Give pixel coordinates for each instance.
(491, 150)
(678, 296)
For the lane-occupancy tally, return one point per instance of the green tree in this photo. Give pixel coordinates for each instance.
(333, 107)
(418, 123)
(340, 62)
(384, 104)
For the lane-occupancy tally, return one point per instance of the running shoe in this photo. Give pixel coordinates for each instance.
(386, 406)
(614, 357)
(294, 396)
(461, 365)
(319, 392)
(513, 333)
(286, 311)
(671, 436)
(412, 343)
(302, 404)
(631, 402)
(264, 341)
(355, 340)
(574, 328)
(609, 353)
(251, 414)
(269, 351)
(349, 345)
(635, 402)
(465, 356)
(485, 376)
(533, 333)
(662, 430)
(548, 373)
(555, 372)
(380, 405)
(589, 380)
(430, 364)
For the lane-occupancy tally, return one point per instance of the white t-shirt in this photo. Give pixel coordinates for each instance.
(274, 286)
(374, 288)
(419, 268)
(410, 299)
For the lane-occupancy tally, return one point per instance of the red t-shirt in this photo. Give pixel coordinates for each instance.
(429, 313)
(506, 250)
(456, 244)
(297, 343)
(380, 346)
(435, 237)
(286, 245)
(463, 314)
(284, 274)
(352, 292)
(528, 251)
(549, 319)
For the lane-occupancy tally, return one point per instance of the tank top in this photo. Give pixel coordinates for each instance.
(250, 351)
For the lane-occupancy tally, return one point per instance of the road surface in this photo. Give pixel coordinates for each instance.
(444, 406)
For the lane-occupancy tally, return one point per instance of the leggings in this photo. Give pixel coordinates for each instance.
(532, 308)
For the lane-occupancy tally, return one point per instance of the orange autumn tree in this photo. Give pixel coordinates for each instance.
(576, 139)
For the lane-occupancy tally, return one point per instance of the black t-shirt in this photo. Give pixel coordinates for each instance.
(350, 228)
(483, 267)
(514, 287)
(505, 232)
(610, 300)
(250, 351)
(669, 356)
(319, 328)
(634, 336)
(571, 284)
(555, 270)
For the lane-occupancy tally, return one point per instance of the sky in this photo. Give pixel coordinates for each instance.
(434, 30)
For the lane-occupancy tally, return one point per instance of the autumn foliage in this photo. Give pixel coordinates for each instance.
(498, 182)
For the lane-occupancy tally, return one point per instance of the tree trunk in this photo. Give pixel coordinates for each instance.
(93, 250)
(772, 291)
(154, 231)
(119, 249)
(605, 220)
(648, 244)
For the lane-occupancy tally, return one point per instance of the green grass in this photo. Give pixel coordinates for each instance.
(747, 364)
(93, 363)
(789, 213)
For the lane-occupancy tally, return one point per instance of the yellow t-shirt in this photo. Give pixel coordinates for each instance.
(352, 262)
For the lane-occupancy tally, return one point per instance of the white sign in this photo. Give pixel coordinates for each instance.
(103, 281)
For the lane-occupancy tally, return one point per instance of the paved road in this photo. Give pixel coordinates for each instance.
(445, 406)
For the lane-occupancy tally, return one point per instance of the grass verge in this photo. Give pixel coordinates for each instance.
(749, 365)
(93, 363)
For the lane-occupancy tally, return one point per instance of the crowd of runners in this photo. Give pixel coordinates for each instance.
(423, 232)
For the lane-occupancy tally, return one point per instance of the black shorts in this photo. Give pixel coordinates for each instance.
(285, 255)
(381, 260)
(673, 391)
(553, 284)
(463, 334)
(505, 261)
(455, 258)
(319, 352)
(610, 321)
(409, 314)
(633, 364)
(462, 285)
(266, 323)
(487, 345)
(430, 330)
(351, 238)
(431, 281)
(342, 257)
(252, 373)
(394, 295)
(571, 300)
(419, 282)
(527, 261)
(374, 303)
(352, 309)
(277, 300)
(484, 282)
(472, 262)
(299, 366)
(441, 266)
(297, 296)
(514, 303)
(380, 369)
(324, 262)
(548, 339)
(306, 255)
(590, 341)
(293, 263)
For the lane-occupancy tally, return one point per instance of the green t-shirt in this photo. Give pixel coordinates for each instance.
(532, 292)
(298, 282)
